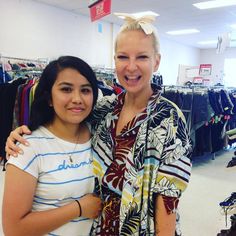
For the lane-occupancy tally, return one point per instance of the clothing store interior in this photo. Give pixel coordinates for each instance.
(196, 72)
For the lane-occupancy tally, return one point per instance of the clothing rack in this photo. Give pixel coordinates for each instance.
(39, 60)
(105, 75)
(186, 89)
(103, 69)
(196, 88)
(5, 59)
(211, 113)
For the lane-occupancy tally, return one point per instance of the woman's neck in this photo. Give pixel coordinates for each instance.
(69, 133)
(137, 101)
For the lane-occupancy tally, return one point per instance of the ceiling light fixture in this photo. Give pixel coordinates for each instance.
(214, 4)
(233, 26)
(207, 42)
(184, 31)
(145, 13)
(140, 14)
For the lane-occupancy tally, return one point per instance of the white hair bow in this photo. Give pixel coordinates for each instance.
(144, 21)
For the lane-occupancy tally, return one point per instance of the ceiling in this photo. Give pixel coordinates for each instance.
(174, 15)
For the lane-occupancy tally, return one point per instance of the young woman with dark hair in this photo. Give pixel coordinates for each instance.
(49, 189)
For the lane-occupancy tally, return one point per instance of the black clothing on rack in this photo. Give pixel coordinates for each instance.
(7, 101)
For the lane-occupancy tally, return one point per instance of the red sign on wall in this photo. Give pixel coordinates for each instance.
(100, 9)
(205, 69)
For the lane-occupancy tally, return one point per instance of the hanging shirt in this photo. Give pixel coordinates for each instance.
(59, 180)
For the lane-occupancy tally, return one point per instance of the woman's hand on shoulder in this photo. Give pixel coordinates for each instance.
(16, 136)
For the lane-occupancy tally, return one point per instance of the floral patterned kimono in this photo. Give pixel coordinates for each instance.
(150, 156)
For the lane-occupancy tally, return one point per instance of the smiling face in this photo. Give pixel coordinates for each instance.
(136, 60)
(71, 97)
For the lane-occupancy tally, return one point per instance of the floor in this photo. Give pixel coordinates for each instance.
(211, 182)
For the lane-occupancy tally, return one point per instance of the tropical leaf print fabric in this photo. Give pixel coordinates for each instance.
(151, 156)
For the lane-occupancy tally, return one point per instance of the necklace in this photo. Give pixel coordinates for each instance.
(70, 154)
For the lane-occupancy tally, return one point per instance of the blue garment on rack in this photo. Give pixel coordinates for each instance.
(4, 77)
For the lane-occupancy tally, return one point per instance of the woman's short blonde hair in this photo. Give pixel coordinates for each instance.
(136, 26)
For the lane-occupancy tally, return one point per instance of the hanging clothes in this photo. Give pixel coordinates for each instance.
(209, 112)
(18, 80)
(7, 101)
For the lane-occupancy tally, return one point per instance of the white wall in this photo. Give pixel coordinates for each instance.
(33, 30)
(217, 60)
(174, 54)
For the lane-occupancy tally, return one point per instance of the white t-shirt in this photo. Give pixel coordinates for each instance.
(60, 181)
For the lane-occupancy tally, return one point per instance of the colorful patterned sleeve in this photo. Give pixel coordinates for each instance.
(175, 169)
(102, 107)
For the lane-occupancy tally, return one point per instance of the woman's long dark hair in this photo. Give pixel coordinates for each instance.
(41, 113)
